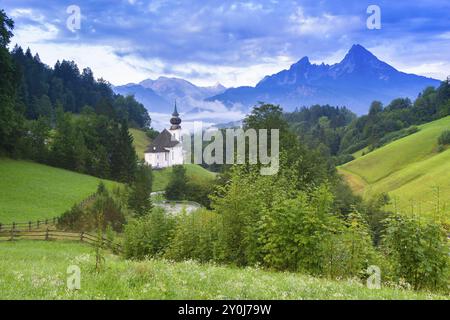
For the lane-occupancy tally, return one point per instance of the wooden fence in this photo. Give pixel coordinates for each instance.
(52, 235)
(30, 225)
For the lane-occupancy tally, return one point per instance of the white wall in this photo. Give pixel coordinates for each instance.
(165, 159)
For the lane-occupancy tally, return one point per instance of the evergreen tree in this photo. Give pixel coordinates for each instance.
(123, 158)
(10, 119)
(139, 200)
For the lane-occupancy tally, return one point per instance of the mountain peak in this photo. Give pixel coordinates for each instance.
(301, 65)
(302, 62)
(358, 52)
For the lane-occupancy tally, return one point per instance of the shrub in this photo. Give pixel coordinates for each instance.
(419, 251)
(195, 236)
(83, 217)
(444, 138)
(295, 232)
(176, 188)
(148, 236)
(349, 251)
(199, 190)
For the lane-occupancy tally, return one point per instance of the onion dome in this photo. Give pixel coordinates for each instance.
(175, 120)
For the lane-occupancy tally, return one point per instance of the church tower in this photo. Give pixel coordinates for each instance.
(175, 121)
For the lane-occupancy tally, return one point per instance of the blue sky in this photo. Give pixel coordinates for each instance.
(232, 42)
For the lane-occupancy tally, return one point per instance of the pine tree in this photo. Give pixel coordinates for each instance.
(139, 200)
(10, 120)
(124, 158)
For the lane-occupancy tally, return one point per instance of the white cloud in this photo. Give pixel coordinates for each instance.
(323, 25)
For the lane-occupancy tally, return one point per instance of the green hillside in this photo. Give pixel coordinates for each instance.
(38, 270)
(140, 141)
(193, 171)
(31, 191)
(410, 169)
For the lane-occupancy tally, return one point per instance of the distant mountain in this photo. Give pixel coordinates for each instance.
(175, 88)
(152, 101)
(159, 95)
(354, 82)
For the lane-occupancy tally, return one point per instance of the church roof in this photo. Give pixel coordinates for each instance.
(163, 141)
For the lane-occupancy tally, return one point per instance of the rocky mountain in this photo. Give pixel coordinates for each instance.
(354, 82)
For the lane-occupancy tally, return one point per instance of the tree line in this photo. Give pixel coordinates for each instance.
(338, 132)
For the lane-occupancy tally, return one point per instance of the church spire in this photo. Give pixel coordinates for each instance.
(175, 120)
(175, 111)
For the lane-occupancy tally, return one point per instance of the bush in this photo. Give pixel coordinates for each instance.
(199, 190)
(176, 188)
(296, 231)
(419, 251)
(148, 236)
(444, 138)
(349, 251)
(195, 236)
(84, 217)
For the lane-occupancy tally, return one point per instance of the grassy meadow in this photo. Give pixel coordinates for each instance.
(193, 171)
(38, 270)
(140, 141)
(409, 170)
(31, 191)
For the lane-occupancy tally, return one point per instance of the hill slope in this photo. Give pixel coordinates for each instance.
(193, 171)
(26, 263)
(140, 141)
(409, 169)
(31, 191)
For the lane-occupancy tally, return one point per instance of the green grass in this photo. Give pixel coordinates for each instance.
(140, 141)
(408, 169)
(31, 191)
(38, 270)
(161, 177)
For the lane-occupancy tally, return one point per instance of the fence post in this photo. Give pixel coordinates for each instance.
(1, 227)
(14, 226)
(81, 236)
(46, 221)
(29, 226)
(37, 223)
(46, 234)
(12, 235)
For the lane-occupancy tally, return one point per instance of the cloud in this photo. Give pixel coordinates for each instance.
(324, 25)
(234, 42)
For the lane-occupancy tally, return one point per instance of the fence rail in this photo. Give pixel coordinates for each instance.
(30, 225)
(54, 235)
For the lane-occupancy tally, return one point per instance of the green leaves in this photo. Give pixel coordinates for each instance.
(419, 250)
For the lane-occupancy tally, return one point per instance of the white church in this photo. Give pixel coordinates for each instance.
(167, 150)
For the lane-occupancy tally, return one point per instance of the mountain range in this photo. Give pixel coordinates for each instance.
(355, 82)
